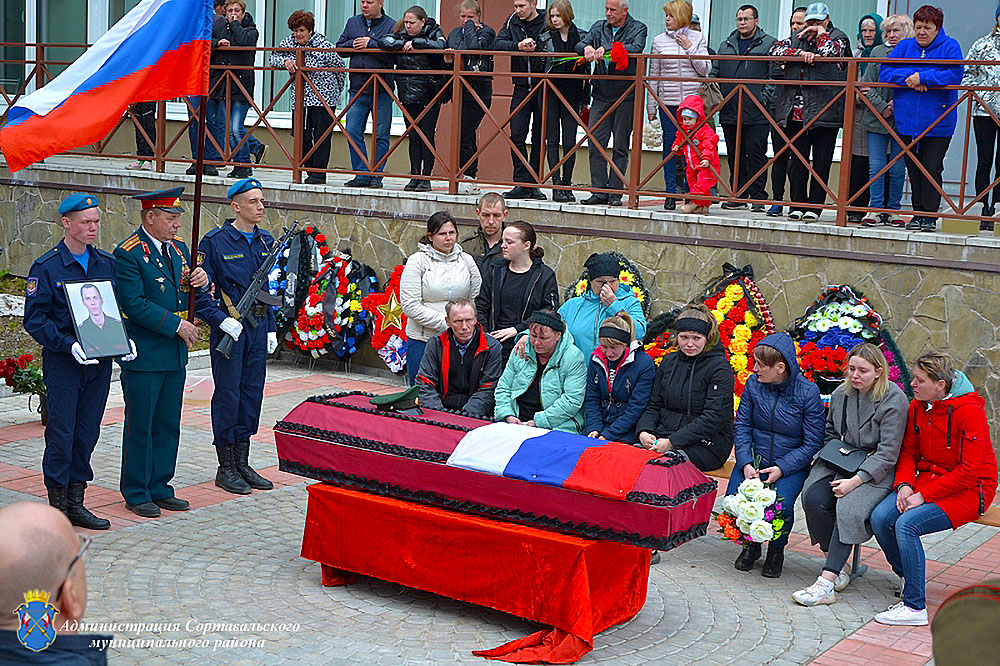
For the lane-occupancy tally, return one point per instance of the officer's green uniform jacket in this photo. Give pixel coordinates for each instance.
(151, 300)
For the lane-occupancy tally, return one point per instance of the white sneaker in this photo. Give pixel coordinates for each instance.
(132, 166)
(820, 592)
(468, 186)
(843, 580)
(147, 165)
(810, 216)
(902, 615)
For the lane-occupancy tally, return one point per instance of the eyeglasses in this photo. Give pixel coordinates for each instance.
(84, 545)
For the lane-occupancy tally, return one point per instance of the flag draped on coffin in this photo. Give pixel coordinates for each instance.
(159, 50)
(556, 458)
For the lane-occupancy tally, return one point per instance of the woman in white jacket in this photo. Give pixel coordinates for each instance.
(436, 273)
(678, 40)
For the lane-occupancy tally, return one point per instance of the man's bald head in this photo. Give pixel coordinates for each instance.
(37, 547)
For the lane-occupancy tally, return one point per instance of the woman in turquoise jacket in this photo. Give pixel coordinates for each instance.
(605, 298)
(546, 388)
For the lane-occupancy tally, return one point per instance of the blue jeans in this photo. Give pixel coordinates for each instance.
(414, 354)
(238, 110)
(788, 486)
(899, 535)
(357, 118)
(669, 134)
(878, 146)
(213, 126)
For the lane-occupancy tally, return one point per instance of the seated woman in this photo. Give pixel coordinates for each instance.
(946, 476)
(619, 382)
(691, 407)
(868, 412)
(515, 287)
(545, 388)
(606, 296)
(779, 428)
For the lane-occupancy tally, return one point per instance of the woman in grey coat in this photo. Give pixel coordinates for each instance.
(867, 411)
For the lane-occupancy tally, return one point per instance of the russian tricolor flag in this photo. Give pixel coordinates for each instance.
(553, 457)
(159, 50)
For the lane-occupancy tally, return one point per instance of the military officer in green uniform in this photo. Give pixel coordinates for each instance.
(101, 334)
(154, 276)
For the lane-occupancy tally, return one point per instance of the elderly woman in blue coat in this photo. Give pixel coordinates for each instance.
(919, 103)
(619, 382)
(780, 426)
(545, 388)
(605, 297)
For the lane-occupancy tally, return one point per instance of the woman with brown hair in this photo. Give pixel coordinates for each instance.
(867, 413)
(691, 405)
(946, 476)
(516, 287)
(619, 382)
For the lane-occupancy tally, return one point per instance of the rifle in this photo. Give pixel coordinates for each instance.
(256, 291)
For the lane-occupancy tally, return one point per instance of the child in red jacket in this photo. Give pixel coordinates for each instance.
(701, 153)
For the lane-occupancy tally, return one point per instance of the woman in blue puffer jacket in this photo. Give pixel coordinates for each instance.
(780, 426)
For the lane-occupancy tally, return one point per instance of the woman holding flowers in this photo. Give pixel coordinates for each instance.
(779, 428)
(867, 412)
(946, 476)
(691, 406)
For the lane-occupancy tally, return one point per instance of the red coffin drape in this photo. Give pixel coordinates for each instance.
(577, 586)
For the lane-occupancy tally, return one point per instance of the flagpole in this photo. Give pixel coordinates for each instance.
(196, 214)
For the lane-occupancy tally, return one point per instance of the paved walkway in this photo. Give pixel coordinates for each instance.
(236, 560)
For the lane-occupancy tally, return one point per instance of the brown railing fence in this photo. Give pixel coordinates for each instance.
(459, 87)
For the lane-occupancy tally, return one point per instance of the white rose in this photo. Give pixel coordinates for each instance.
(765, 496)
(752, 511)
(750, 487)
(760, 531)
(730, 503)
(743, 525)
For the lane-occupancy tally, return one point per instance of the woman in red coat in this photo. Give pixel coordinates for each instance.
(946, 476)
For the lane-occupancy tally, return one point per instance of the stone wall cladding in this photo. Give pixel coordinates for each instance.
(933, 291)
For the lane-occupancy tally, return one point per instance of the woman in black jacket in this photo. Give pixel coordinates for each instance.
(691, 408)
(414, 33)
(515, 288)
(561, 36)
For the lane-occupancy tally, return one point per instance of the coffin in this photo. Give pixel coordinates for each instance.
(342, 439)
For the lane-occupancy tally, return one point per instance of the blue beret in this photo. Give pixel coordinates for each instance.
(241, 186)
(78, 201)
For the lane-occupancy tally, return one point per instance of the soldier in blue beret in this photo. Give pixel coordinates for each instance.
(232, 254)
(154, 279)
(76, 387)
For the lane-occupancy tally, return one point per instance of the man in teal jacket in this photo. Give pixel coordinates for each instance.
(154, 277)
(546, 388)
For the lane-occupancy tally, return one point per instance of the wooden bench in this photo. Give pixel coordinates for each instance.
(991, 518)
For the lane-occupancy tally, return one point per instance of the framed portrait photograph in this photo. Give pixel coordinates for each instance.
(96, 318)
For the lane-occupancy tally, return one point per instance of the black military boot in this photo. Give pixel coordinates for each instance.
(227, 477)
(748, 557)
(78, 514)
(241, 461)
(57, 497)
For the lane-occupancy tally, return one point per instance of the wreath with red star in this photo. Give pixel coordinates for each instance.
(387, 311)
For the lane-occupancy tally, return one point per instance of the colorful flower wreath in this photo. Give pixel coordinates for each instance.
(309, 332)
(743, 317)
(388, 322)
(835, 323)
(346, 321)
(629, 274)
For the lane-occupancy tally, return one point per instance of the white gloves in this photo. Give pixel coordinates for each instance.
(81, 356)
(272, 343)
(131, 356)
(231, 327)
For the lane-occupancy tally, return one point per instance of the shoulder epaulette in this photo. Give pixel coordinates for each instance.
(48, 255)
(129, 242)
(178, 238)
(212, 232)
(101, 252)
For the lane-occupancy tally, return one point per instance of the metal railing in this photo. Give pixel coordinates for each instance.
(637, 182)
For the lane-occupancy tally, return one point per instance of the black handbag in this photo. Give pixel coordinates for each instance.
(841, 456)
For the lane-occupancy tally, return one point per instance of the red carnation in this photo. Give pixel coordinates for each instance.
(320, 238)
(619, 56)
(309, 230)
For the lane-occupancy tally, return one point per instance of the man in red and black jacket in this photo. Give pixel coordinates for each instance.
(460, 367)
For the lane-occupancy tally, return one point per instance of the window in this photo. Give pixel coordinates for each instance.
(119, 8)
(62, 21)
(12, 28)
